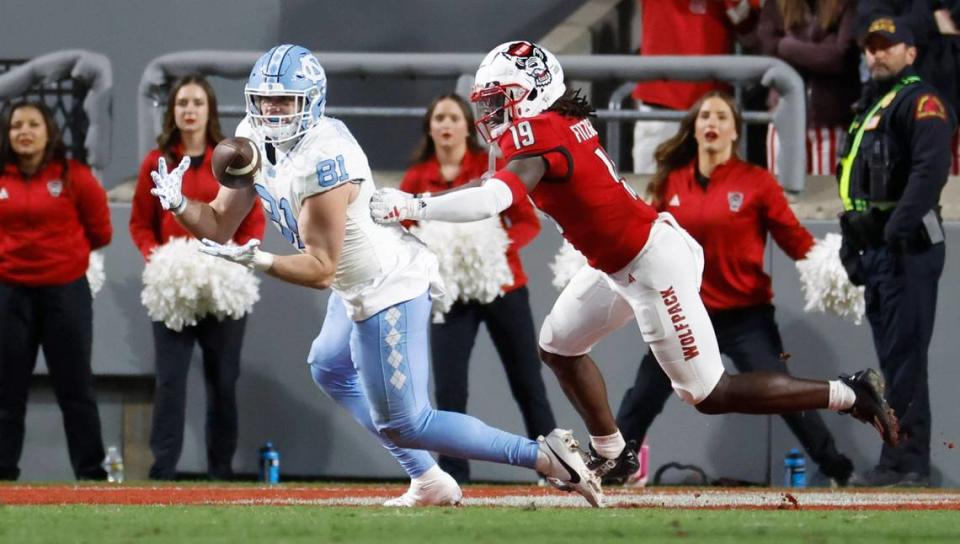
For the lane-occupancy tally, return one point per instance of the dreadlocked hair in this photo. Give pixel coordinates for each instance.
(572, 104)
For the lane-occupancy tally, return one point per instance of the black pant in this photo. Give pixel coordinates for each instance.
(901, 302)
(220, 342)
(510, 325)
(58, 318)
(749, 336)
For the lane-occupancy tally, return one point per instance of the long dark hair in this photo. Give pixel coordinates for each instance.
(170, 135)
(681, 148)
(572, 104)
(56, 150)
(426, 149)
(794, 12)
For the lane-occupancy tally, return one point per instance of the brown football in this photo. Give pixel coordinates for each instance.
(235, 161)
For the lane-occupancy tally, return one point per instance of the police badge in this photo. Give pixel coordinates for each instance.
(735, 200)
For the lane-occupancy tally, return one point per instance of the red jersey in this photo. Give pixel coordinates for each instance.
(731, 218)
(151, 225)
(520, 220)
(595, 209)
(49, 223)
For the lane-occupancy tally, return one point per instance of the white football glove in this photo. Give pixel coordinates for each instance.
(392, 206)
(248, 254)
(168, 185)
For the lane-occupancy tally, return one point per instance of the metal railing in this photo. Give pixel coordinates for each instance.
(789, 117)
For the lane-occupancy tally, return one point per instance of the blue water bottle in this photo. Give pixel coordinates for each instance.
(795, 469)
(269, 464)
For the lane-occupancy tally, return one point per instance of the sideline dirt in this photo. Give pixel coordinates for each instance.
(516, 496)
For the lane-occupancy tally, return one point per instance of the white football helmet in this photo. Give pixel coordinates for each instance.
(514, 81)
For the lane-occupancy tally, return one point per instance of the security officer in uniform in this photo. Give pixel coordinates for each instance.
(893, 168)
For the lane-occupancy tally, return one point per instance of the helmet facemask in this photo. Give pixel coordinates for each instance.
(496, 108)
(289, 123)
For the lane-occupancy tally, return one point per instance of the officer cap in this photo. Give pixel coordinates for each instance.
(893, 29)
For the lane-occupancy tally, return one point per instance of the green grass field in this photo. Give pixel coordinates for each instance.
(235, 524)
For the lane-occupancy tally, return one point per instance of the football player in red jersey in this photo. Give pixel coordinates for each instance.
(643, 266)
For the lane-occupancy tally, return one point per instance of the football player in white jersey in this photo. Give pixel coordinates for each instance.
(371, 355)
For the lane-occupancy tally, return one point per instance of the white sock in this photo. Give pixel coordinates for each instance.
(842, 396)
(610, 446)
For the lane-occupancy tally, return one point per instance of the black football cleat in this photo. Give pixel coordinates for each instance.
(615, 471)
(870, 406)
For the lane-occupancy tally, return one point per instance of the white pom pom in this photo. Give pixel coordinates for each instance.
(96, 275)
(825, 284)
(472, 258)
(565, 264)
(181, 285)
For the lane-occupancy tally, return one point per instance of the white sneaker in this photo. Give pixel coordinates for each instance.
(567, 466)
(440, 490)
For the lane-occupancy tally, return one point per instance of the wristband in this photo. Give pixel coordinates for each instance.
(181, 207)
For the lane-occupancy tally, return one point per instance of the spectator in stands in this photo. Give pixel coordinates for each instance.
(817, 39)
(190, 128)
(730, 207)
(53, 212)
(682, 27)
(449, 155)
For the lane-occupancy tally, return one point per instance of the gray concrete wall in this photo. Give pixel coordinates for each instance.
(280, 402)
(132, 32)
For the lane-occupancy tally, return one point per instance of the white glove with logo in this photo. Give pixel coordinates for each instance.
(167, 185)
(248, 254)
(392, 206)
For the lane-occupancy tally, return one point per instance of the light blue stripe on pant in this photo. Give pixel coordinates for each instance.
(332, 368)
(392, 355)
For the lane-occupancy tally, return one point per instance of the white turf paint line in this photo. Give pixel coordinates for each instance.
(693, 500)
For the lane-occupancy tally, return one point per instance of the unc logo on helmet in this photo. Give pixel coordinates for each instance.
(514, 81)
(286, 93)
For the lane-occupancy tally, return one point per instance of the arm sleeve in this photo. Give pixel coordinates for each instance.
(826, 56)
(792, 237)
(929, 139)
(472, 204)
(92, 206)
(523, 223)
(145, 212)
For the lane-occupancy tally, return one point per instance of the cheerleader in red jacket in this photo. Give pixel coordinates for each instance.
(53, 212)
(191, 127)
(729, 207)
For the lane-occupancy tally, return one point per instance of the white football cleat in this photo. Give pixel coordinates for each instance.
(567, 466)
(440, 490)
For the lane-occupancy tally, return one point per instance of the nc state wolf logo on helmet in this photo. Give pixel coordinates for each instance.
(532, 60)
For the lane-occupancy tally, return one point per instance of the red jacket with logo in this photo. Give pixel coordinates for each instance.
(49, 223)
(151, 225)
(519, 220)
(731, 219)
